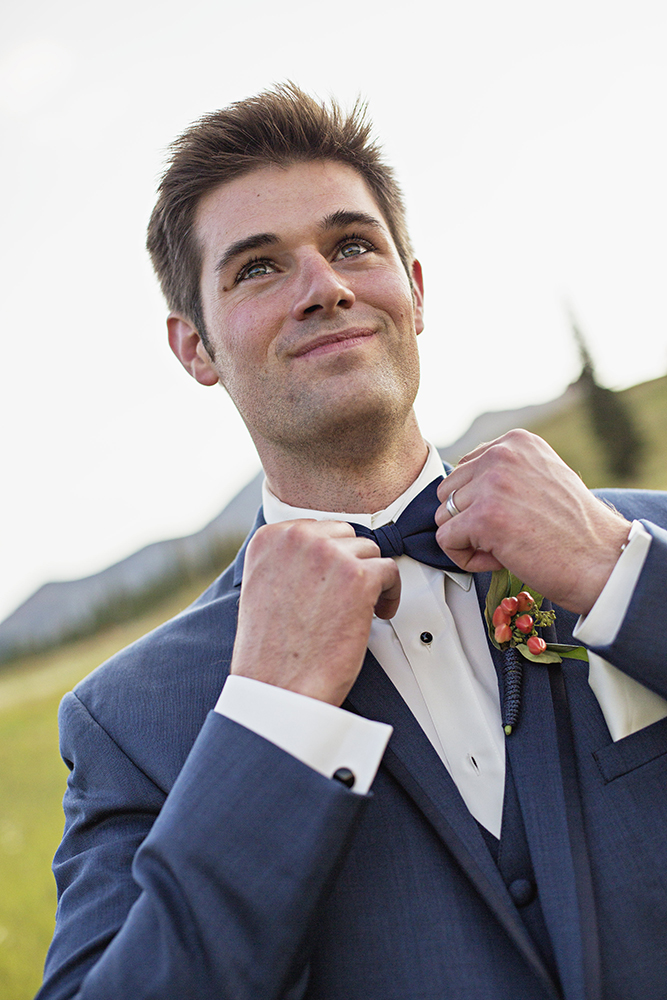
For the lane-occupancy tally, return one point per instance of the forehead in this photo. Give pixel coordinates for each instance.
(281, 200)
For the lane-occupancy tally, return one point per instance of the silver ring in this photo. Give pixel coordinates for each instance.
(450, 506)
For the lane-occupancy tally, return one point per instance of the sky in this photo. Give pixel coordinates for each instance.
(530, 143)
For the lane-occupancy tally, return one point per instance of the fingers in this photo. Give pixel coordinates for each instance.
(464, 554)
(308, 596)
(385, 581)
(516, 440)
(389, 599)
(455, 482)
(521, 507)
(460, 496)
(501, 455)
(476, 452)
(386, 572)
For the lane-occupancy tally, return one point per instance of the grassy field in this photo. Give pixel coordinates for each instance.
(33, 777)
(32, 782)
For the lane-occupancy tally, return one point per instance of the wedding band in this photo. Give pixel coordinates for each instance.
(450, 506)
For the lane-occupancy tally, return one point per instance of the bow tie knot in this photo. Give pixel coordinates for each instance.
(390, 540)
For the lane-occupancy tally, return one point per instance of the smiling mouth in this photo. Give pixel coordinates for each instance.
(333, 342)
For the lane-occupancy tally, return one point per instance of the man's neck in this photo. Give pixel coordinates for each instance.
(361, 484)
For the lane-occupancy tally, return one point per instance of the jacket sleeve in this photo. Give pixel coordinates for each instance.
(206, 891)
(640, 647)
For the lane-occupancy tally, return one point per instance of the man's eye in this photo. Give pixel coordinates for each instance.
(354, 247)
(255, 269)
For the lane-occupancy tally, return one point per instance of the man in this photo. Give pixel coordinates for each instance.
(227, 845)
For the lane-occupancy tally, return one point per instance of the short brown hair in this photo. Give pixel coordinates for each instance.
(282, 126)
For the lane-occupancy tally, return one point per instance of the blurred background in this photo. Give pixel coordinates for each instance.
(530, 142)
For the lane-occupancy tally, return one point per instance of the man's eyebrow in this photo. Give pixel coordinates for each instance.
(343, 217)
(335, 220)
(239, 247)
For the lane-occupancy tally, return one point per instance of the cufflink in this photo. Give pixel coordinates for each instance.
(345, 776)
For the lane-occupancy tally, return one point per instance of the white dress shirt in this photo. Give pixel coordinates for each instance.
(449, 683)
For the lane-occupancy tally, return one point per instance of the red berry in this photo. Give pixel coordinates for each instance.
(503, 633)
(536, 645)
(500, 617)
(509, 605)
(525, 624)
(525, 602)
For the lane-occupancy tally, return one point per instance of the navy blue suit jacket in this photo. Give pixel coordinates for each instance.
(201, 861)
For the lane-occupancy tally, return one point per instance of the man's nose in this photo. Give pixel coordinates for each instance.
(321, 288)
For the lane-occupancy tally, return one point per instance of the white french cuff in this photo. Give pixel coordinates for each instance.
(601, 624)
(626, 704)
(320, 735)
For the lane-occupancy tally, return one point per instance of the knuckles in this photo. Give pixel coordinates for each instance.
(512, 450)
(520, 437)
(297, 536)
(310, 553)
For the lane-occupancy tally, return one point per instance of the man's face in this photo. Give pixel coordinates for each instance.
(310, 315)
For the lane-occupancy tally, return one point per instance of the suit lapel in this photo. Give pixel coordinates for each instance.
(240, 556)
(414, 763)
(533, 754)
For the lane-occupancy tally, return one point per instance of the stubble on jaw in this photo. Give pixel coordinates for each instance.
(315, 423)
(347, 457)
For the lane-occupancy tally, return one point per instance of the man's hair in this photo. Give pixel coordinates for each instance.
(280, 126)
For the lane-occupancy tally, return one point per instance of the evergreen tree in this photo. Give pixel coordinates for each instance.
(612, 419)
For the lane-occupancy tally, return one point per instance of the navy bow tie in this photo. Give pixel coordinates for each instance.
(413, 534)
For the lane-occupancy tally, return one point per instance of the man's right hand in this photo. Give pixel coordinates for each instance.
(309, 592)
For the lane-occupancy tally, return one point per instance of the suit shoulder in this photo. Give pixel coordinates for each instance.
(161, 687)
(651, 505)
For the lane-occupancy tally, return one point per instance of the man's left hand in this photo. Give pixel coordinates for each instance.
(522, 508)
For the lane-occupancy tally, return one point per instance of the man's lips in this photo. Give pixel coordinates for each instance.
(331, 342)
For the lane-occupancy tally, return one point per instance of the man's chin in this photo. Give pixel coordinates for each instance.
(353, 426)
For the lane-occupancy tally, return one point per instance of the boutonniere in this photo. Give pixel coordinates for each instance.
(513, 615)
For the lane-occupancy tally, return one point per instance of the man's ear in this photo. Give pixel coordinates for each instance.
(418, 292)
(189, 348)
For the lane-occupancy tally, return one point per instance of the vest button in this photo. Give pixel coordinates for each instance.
(522, 891)
(426, 638)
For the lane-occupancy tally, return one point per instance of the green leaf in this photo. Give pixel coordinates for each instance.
(549, 656)
(571, 652)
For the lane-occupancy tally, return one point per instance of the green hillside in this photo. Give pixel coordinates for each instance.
(33, 777)
(570, 434)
